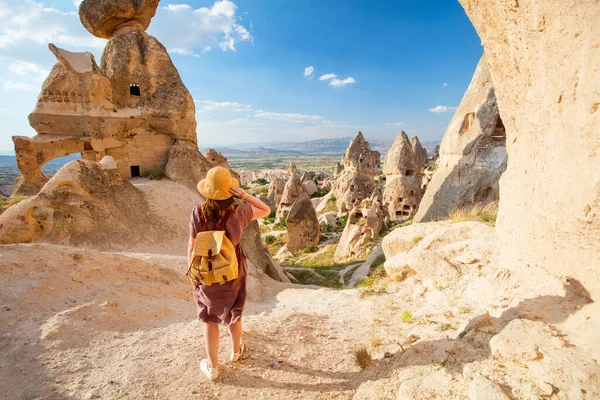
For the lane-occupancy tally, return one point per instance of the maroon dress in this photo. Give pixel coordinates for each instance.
(224, 303)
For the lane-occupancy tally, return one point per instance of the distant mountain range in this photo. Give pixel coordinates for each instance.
(329, 146)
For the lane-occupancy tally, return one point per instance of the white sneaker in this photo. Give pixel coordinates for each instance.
(211, 373)
(236, 356)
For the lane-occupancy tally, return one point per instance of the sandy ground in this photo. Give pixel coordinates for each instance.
(84, 324)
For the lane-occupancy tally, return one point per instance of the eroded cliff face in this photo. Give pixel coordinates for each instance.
(544, 61)
(472, 155)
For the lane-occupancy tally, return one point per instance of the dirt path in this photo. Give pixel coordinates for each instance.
(89, 325)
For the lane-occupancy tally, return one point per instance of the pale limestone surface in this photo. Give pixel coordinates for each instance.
(543, 57)
(472, 154)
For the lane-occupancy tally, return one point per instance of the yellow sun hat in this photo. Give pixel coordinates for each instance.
(217, 183)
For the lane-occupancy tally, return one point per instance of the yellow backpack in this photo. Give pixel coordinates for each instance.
(213, 258)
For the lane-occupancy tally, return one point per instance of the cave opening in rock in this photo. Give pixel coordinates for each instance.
(410, 172)
(135, 171)
(134, 90)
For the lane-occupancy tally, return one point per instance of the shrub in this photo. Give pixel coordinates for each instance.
(282, 223)
(407, 317)
(261, 181)
(476, 213)
(270, 239)
(333, 198)
(263, 190)
(270, 218)
(154, 173)
(362, 357)
(344, 219)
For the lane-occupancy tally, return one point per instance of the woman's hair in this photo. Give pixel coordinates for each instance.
(215, 209)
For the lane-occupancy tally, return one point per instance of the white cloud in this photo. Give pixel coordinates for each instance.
(445, 84)
(308, 71)
(30, 21)
(296, 118)
(394, 124)
(23, 68)
(222, 105)
(342, 82)
(77, 3)
(441, 109)
(185, 30)
(327, 77)
(9, 85)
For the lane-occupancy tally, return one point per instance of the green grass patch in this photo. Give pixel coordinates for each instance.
(270, 219)
(326, 277)
(270, 239)
(281, 224)
(154, 173)
(487, 214)
(11, 201)
(277, 244)
(261, 181)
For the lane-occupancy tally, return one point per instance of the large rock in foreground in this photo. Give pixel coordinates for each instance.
(472, 154)
(445, 254)
(84, 204)
(543, 58)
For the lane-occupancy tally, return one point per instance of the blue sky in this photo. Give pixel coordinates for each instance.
(262, 70)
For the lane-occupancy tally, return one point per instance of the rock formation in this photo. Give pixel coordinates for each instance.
(420, 154)
(302, 225)
(543, 57)
(216, 159)
(310, 187)
(402, 193)
(133, 108)
(187, 166)
(363, 226)
(249, 176)
(292, 190)
(472, 153)
(85, 203)
(276, 189)
(356, 181)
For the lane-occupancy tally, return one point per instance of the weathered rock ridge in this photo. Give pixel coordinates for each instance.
(472, 154)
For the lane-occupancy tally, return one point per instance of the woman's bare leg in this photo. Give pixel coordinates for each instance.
(211, 341)
(235, 330)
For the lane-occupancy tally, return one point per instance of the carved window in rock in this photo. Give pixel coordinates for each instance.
(87, 146)
(467, 123)
(400, 199)
(407, 207)
(134, 90)
(410, 172)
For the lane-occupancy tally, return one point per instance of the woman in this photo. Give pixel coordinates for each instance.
(223, 304)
